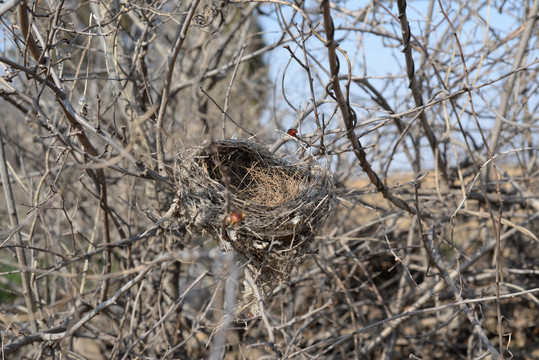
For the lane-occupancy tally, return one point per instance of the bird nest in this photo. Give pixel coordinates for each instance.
(267, 209)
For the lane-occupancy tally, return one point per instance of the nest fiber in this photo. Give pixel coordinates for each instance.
(267, 209)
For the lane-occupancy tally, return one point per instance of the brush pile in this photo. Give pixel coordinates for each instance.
(244, 196)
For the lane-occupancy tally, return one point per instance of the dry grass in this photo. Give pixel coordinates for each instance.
(271, 187)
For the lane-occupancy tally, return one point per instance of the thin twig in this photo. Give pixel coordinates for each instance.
(173, 308)
(161, 169)
(510, 83)
(349, 115)
(55, 336)
(14, 221)
(416, 93)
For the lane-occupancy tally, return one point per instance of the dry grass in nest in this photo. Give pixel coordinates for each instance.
(244, 196)
(272, 186)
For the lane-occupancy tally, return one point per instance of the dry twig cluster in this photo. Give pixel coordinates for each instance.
(427, 116)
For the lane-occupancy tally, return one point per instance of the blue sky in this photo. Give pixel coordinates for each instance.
(378, 58)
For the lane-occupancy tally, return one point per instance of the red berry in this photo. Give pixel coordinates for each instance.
(235, 217)
(292, 132)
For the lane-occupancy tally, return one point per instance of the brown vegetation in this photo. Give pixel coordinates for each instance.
(379, 201)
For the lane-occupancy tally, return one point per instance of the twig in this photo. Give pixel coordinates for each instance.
(349, 115)
(436, 261)
(8, 5)
(166, 88)
(268, 326)
(48, 336)
(394, 323)
(438, 286)
(510, 83)
(79, 123)
(496, 222)
(416, 93)
(242, 45)
(177, 303)
(14, 221)
(25, 26)
(225, 113)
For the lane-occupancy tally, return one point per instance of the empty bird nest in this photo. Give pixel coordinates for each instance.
(267, 209)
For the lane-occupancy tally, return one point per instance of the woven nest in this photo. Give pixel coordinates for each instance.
(267, 209)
